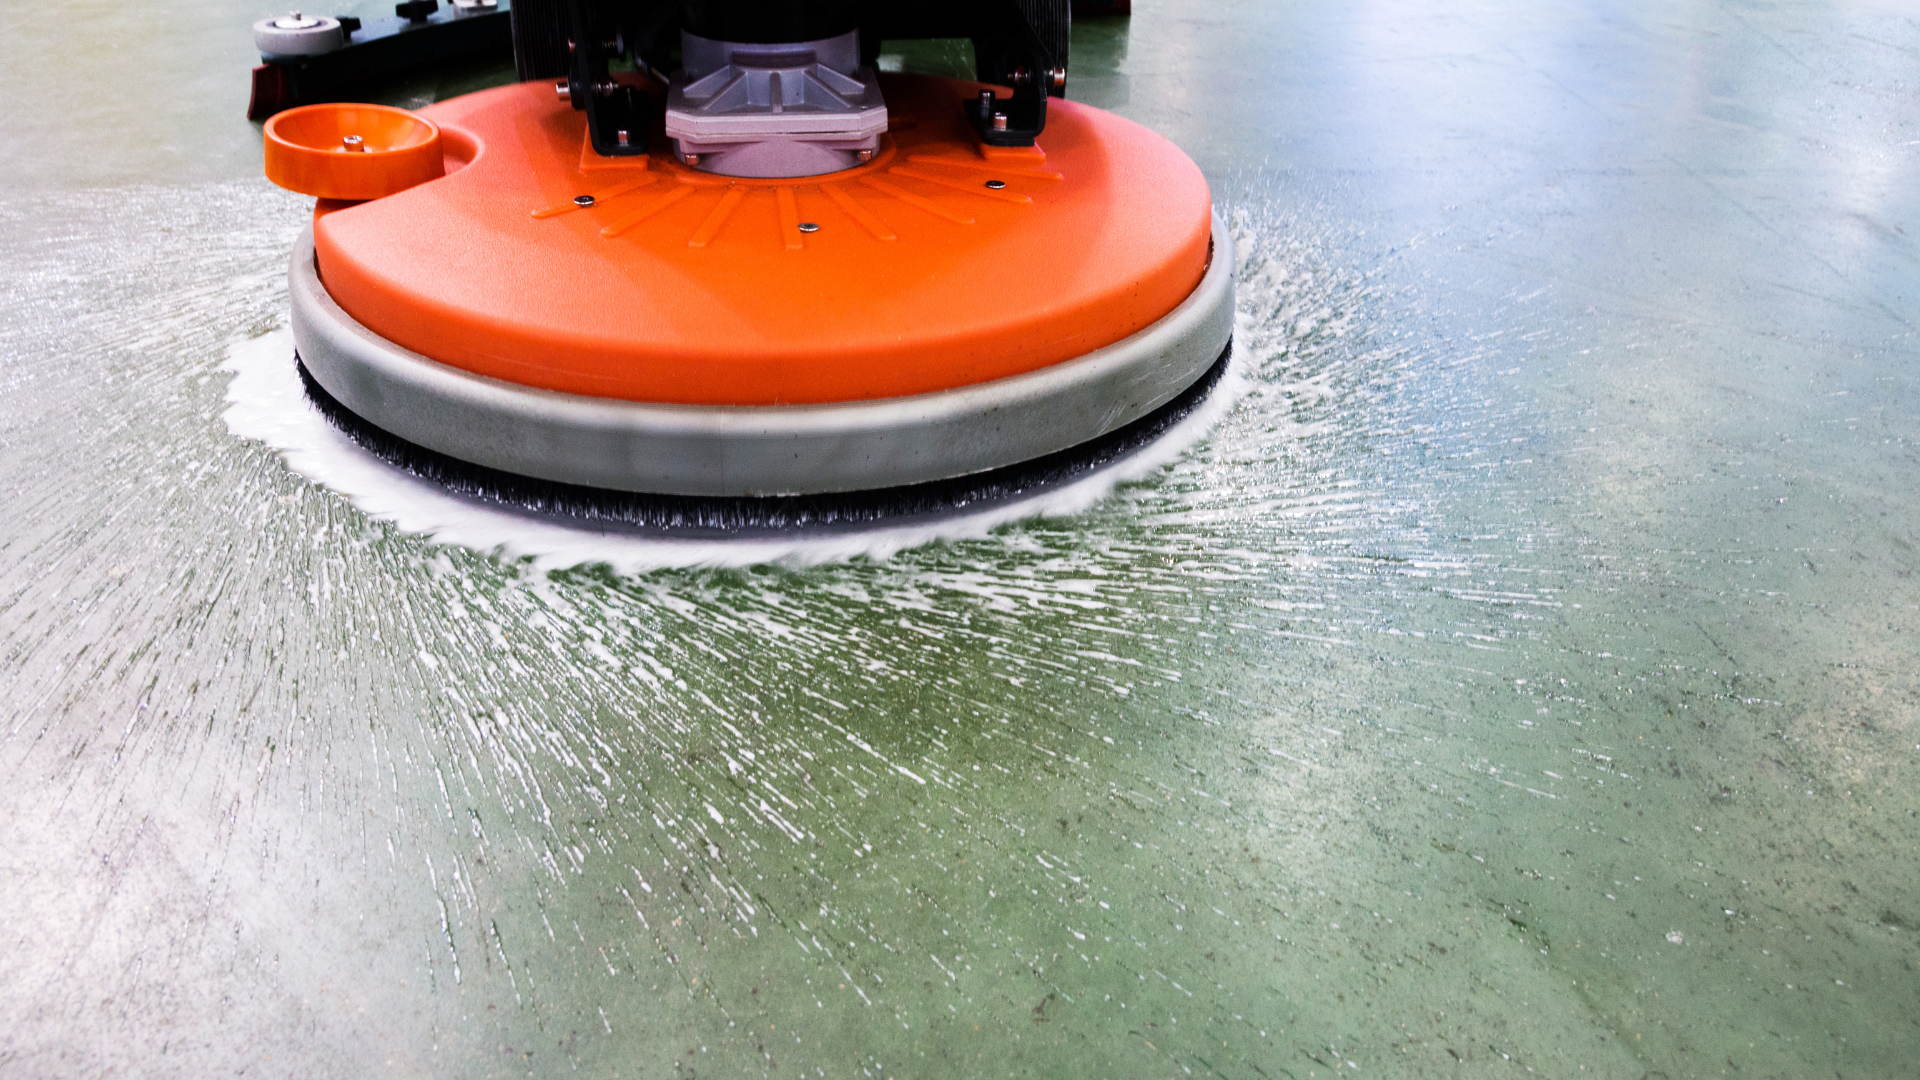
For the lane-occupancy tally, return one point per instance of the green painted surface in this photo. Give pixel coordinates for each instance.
(1521, 677)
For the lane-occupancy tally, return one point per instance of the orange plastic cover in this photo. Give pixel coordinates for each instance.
(939, 264)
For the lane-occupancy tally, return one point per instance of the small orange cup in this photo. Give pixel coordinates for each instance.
(351, 151)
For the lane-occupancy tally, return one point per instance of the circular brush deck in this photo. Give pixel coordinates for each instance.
(942, 313)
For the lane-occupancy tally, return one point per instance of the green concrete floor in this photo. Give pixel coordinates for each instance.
(1519, 681)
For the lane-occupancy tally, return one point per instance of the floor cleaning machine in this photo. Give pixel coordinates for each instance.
(705, 269)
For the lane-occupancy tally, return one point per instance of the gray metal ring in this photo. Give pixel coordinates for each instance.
(759, 450)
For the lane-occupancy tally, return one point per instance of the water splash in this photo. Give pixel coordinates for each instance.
(1285, 305)
(268, 404)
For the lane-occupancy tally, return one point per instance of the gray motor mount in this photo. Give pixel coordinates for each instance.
(792, 109)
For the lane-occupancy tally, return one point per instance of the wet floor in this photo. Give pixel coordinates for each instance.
(1519, 677)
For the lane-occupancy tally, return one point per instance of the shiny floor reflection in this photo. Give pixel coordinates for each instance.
(1519, 677)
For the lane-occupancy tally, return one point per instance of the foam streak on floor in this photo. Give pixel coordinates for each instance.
(1520, 675)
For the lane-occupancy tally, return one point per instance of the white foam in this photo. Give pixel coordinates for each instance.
(267, 403)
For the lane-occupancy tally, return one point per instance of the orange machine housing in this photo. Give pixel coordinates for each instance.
(939, 264)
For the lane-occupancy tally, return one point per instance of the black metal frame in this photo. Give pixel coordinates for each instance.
(1008, 52)
(414, 37)
(1018, 44)
(619, 117)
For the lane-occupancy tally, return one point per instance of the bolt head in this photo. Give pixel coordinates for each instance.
(583, 200)
(996, 184)
(809, 227)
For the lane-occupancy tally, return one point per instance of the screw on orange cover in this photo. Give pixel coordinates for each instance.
(351, 152)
